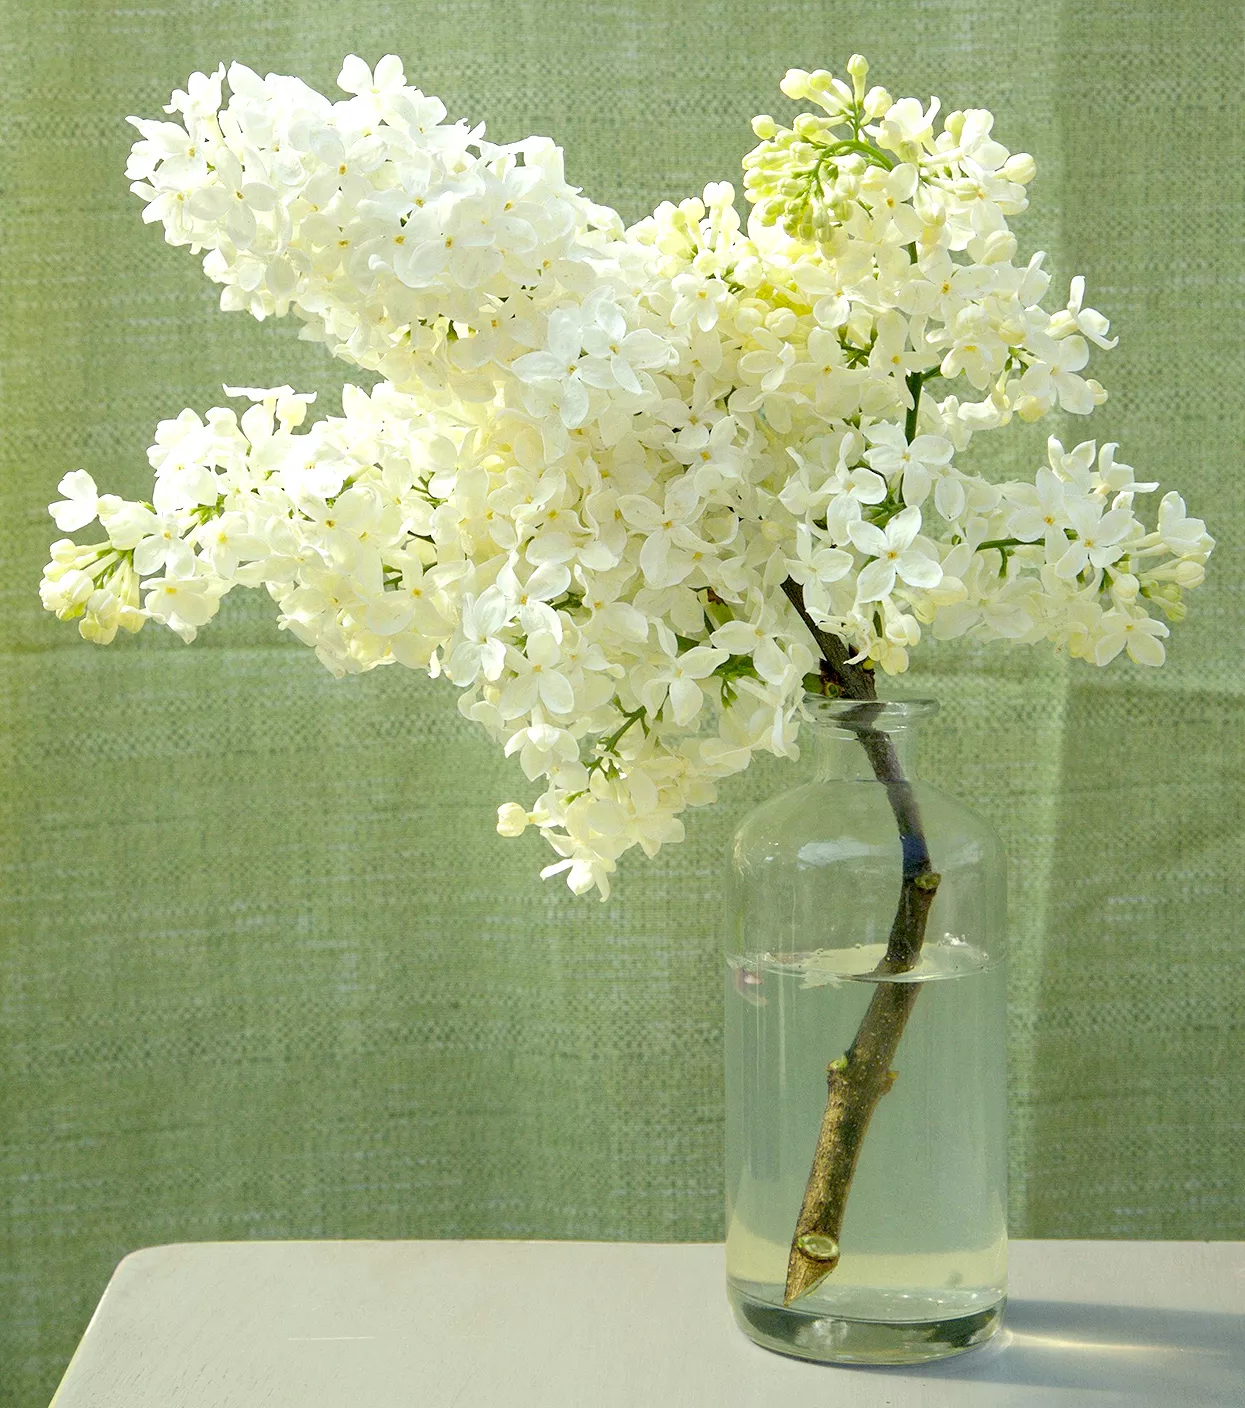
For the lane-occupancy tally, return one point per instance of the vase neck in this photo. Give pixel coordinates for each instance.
(841, 740)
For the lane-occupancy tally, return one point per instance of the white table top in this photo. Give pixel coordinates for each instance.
(625, 1325)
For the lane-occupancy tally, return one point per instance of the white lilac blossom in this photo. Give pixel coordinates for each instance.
(597, 453)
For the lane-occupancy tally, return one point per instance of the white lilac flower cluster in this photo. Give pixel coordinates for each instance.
(601, 459)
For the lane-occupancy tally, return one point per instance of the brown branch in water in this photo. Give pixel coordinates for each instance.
(857, 1080)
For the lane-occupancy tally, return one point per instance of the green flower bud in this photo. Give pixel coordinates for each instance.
(858, 69)
(795, 84)
(877, 102)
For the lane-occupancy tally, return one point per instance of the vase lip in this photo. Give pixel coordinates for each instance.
(885, 715)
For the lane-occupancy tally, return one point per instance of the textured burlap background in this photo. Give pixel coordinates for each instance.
(266, 971)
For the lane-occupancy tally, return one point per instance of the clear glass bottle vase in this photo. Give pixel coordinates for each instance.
(865, 1021)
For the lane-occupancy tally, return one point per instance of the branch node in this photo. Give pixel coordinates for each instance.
(819, 1247)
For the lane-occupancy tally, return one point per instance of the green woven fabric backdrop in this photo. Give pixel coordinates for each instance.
(266, 970)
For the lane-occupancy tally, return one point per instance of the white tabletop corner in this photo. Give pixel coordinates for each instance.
(626, 1325)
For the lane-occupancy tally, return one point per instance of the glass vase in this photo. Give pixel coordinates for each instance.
(866, 1116)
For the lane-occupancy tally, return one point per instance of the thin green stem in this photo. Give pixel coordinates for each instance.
(609, 744)
(865, 149)
(915, 380)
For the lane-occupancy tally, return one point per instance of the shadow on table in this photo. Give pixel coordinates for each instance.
(1172, 1355)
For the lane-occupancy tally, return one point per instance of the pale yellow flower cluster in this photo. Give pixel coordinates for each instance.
(598, 454)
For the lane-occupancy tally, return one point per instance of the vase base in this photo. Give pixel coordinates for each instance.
(836, 1339)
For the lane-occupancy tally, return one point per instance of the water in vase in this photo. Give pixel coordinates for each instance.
(923, 1244)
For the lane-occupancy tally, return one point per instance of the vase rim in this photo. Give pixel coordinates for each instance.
(884, 715)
